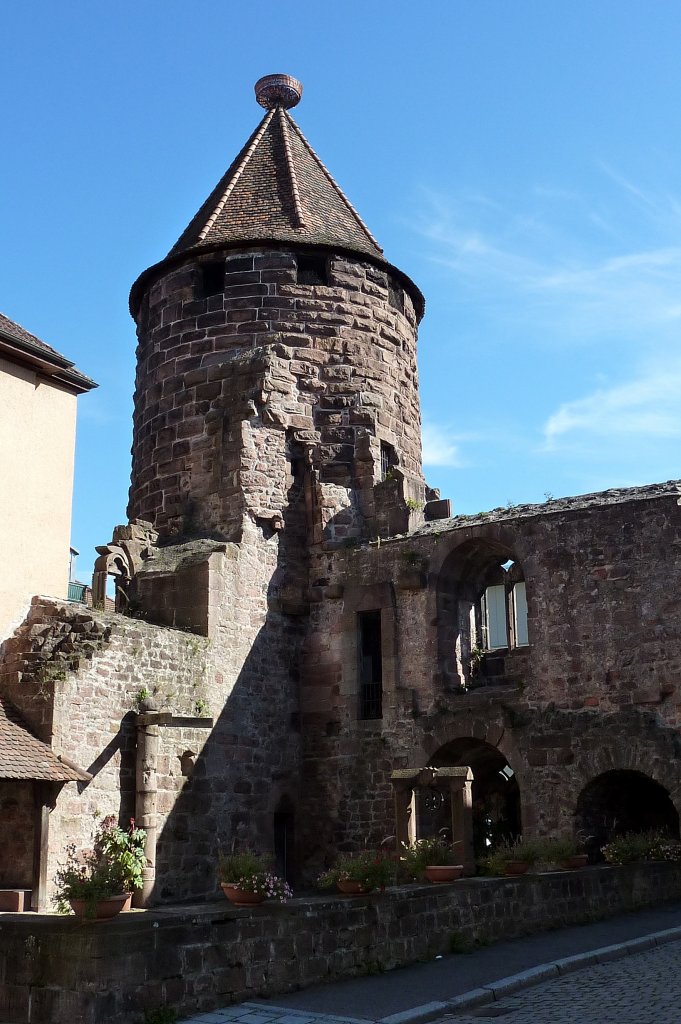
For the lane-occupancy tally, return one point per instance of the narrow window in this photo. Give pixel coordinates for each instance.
(388, 459)
(311, 269)
(395, 296)
(520, 615)
(370, 665)
(495, 618)
(212, 278)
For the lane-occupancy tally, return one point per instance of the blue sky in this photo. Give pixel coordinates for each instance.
(520, 161)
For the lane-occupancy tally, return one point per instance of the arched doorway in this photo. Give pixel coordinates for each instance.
(496, 794)
(623, 801)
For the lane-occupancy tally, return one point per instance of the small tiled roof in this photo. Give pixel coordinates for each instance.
(278, 190)
(23, 756)
(16, 340)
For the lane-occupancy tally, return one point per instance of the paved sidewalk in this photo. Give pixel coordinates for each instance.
(419, 991)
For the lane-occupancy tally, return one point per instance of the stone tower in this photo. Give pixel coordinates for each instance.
(276, 421)
(277, 349)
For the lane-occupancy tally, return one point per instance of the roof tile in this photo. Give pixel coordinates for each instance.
(23, 756)
(277, 189)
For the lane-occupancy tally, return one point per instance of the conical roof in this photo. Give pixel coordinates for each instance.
(277, 190)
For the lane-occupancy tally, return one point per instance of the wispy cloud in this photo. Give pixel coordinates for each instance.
(440, 448)
(572, 261)
(646, 408)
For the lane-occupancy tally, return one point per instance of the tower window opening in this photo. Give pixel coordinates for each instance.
(312, 269)
(212, 278)
(395, 297)
(388, 459)
(370, 665)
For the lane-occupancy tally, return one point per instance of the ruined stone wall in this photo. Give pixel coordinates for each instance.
(600, 685)
(225, 382)
(58, 970)
(77, 676)
(250, 759)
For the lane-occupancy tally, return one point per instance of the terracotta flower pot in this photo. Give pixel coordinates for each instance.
(350, 887)
(439, 873)
(516, 867)
(578, 860)
(240, 898)
(101, 910)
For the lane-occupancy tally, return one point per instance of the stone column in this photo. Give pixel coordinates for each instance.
(45, 798)
(405, 806)
(148, 736)
(461, 796)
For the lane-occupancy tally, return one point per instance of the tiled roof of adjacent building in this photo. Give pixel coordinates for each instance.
(18, 343)
(278, 190)
(23, 756)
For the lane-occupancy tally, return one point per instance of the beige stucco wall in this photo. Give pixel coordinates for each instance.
(37, 441)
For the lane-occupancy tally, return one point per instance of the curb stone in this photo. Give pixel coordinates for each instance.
(497, 990)
(493, 992)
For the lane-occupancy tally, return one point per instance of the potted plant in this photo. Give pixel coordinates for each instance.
(567, 852)
(435, 859)
(634, 847)
(124, 849)
(98, 883)
(89, 886)
(359, 873)
(247, 880)
(514, 858)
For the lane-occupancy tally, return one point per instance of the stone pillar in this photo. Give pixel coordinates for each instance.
(461, 795)
(405, 806)
(148, 736)
(45, 797)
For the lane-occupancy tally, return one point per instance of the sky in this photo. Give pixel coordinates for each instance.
(520, 161)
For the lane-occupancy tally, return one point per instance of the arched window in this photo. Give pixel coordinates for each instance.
(482, 615)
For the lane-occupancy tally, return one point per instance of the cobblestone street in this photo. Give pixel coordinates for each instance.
(640, 989)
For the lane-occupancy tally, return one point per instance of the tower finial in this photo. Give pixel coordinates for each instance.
(278, 91)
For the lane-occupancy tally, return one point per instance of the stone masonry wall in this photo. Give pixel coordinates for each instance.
(342, 369)
(599, 688)
(62, 971)
(76, 675)
(250, 760)
(16, 834)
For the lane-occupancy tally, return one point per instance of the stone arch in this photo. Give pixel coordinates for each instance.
(640, 746)
(121, 559)
(496, 792)
(619, 801)
(482, 613)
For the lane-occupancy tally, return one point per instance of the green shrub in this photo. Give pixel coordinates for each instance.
(638, 846)
(373, 869)
(531, 851)
(235, 866)
(423, 852)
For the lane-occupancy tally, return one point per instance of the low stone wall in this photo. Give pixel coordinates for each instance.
(193, 959)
